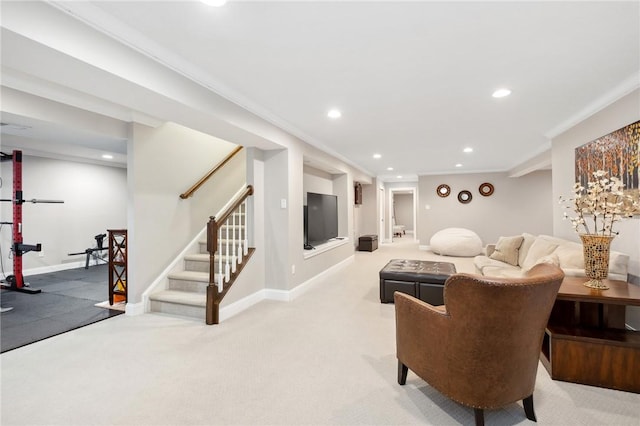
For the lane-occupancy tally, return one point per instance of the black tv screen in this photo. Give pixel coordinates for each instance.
(322, 217)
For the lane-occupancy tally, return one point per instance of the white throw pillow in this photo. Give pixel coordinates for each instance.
(570, 256)
(507, 249)
(524, 248)
(551, 259)
(538, 249)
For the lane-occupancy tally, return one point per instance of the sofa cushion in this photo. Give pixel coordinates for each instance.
(528, 239)
(507, 249)
(481, 262)
(504, 271)
(570, 255)
(619, 264)
(539, 248)
(550, 258)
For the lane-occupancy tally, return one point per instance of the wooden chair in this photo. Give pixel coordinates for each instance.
(481, 348)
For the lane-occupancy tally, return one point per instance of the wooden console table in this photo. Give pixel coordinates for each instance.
(586, 340)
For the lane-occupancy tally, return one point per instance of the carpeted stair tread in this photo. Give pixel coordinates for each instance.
(180, 297)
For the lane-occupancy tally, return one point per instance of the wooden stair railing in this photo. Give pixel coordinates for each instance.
(189, 192)
(229, 230)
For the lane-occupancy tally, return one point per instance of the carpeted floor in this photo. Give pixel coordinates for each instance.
(325, 358)
(67, 301)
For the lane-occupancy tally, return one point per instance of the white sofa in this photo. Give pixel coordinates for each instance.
(543, 248)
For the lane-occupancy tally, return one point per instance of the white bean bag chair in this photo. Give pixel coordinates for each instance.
(456, 242)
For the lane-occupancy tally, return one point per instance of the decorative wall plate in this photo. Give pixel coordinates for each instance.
(486, 189)
(464, 197)
(443, 190)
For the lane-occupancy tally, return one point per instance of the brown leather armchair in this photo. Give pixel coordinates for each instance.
(480, 348)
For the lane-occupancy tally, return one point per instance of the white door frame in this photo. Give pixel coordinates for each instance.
(381, 209)
(413, 192)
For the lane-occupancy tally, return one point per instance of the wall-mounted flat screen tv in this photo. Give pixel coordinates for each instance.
(322, 218)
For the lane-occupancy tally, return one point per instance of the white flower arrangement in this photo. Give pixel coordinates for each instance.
(603, 199)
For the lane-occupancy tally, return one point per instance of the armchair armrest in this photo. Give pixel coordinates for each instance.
(422, 332)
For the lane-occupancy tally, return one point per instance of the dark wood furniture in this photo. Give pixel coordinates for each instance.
(117, 265)
(422, 279)
(368, 243)
(586, 341)
(357, 193)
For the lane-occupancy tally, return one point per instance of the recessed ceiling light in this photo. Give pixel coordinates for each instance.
(501, 93)
(107, 156)
(399, 177)
(458, 165)
(468, 149)
(390, 169)
(376, 156)
(215, 3)
(334, 113)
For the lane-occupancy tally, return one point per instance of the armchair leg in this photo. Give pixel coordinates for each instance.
(479, 413)
(528, 408)
(402, 373)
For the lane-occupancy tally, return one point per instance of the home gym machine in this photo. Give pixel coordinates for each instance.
(93, 252)
(16, 282)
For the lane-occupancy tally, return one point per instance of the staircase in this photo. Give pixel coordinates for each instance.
(214, 268)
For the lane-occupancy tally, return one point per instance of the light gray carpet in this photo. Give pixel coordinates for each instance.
(325, 358)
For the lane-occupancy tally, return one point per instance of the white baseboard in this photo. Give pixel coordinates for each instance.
(275, 294)
(279, 295)
(305, 286)
(238, 306)
(52, 268)
(133, 309)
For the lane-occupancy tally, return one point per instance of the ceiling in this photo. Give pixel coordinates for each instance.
(413, 80)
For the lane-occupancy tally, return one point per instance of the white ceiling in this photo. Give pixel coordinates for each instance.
(413, 79)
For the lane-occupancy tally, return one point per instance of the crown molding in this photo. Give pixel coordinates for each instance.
(625, 87)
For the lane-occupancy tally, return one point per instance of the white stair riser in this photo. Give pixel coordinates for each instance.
(202, 266)
(223, 247)
(197, 266)
(187, 285)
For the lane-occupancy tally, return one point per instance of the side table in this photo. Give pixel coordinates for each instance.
(586, 341)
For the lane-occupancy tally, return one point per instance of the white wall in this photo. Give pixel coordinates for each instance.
(95, 199)
(276, 220)
(368, 211)
(251, 280)
(617, 115)
(163, 163)
(518, 205)
(403, 209)
(317, 181)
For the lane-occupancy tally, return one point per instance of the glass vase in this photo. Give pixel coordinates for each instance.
(596, 249)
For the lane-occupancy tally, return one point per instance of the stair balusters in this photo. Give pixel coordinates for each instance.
(227, 270)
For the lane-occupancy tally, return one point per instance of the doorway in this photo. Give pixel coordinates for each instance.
(402, 203)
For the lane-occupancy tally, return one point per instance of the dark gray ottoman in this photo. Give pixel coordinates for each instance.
(368, 243)
(419, 278)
